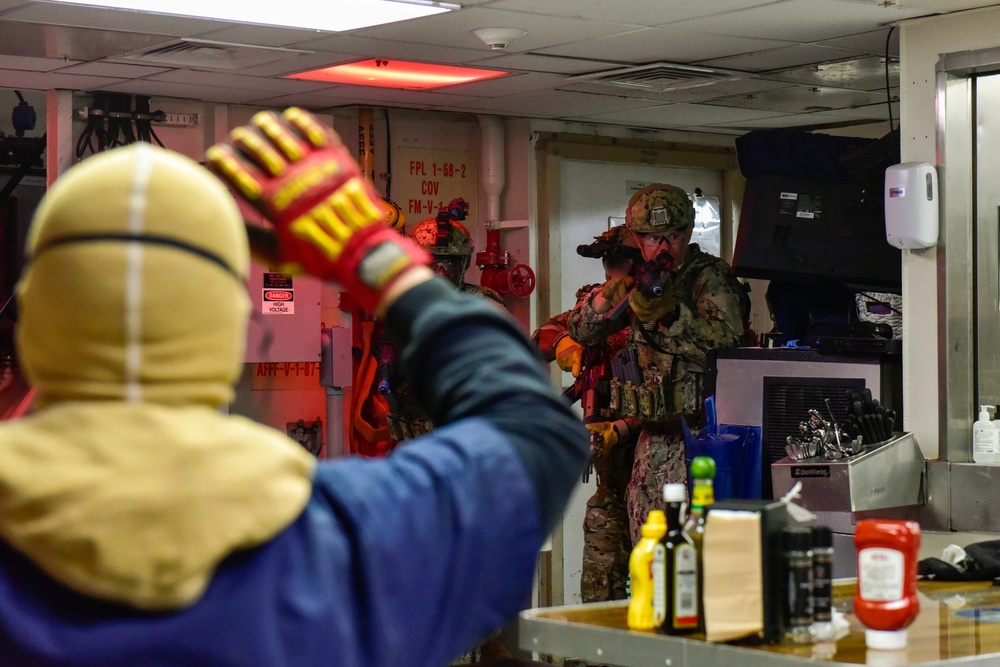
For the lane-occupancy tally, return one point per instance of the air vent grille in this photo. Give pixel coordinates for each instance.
(212, 54)
(659, 76)
(184, 47)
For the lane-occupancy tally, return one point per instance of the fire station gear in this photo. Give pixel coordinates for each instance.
(130, 485)
(549, 334)
(457, 242)
(658, 208)
(651, 309)
(395, 217)
(329, 221)
(569, 355)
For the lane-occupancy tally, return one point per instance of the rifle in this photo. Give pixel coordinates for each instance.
(589, 386)
(651, 278)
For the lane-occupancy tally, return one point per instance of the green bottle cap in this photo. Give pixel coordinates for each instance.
(703, 467)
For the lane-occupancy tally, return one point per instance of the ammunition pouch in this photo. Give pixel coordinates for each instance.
(653, 396)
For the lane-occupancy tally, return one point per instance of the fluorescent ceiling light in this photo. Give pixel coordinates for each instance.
(397, 74)
(308, 14)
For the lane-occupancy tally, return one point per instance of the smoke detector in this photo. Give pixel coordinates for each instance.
(499, 39)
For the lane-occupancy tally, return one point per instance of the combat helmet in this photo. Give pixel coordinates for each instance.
(658, 208)
(615, 240)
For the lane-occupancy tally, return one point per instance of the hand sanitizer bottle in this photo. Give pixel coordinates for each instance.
(985, 438)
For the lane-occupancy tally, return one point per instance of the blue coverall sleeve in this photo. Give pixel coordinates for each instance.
(446, 530)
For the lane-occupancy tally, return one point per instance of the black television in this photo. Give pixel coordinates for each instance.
(807, 231)
(813, 210)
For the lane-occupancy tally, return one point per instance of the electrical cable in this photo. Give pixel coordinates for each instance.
(388, 158)
(888, 95)
(110, 123)
(152, 133)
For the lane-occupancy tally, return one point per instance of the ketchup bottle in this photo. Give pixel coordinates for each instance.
(886, 598)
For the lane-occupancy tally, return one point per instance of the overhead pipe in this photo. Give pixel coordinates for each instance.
(499, 271)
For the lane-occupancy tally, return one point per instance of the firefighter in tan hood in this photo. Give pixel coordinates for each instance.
(132, 318)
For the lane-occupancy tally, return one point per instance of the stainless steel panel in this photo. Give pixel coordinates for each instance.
(613, 646)
(987, 199)
(740, 382)
(955, 287)
(975, 497)
(889, 476)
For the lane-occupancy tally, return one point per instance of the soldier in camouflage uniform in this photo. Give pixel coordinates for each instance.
(658, 375)
(606, 540)
(450, 245)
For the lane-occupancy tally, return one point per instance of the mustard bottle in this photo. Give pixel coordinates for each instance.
(640, 566)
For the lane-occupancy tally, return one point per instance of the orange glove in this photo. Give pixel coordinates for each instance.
(569, 355)
(328, 220)
(606, 433)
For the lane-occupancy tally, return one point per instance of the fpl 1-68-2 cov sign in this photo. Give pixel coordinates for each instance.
(278, 297)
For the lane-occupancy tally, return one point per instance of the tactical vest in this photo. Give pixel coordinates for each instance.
(654, 384)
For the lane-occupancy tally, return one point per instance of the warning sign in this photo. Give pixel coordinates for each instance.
(277, 295)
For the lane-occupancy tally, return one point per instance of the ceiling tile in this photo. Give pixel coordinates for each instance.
(538, 62)
(509, 85)
(676, 115)
(945, 6)
(252, 34)
(51, 81)
(455, 29)
(635, 12)
(553, 104)
(654, 44)
(185, 91)
(802, 99)
(361, 48)
(788, 56)
(725, 88)
(34, 64)
(801, 20)
(298, 63)
(791, 121)
(110, 69)
(869, 73)
(873, 42)
(42, 41)
(348, 95)
(229, 80)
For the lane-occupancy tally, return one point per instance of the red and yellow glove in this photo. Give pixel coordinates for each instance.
(328, 220)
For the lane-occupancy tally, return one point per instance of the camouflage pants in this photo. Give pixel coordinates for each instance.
(659, 460)
(606, 542)
(606, 549)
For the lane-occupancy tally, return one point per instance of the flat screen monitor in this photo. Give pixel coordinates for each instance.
(807, 231)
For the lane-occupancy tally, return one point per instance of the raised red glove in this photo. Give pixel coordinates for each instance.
(328, 220)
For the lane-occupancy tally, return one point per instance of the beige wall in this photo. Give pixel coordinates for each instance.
(922, 41)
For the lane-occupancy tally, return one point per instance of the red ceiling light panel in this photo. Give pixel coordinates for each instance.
(397, 74)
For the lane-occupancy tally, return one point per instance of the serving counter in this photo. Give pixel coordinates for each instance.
(959, 623)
